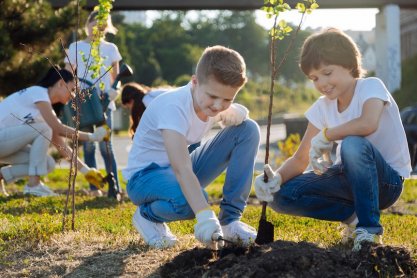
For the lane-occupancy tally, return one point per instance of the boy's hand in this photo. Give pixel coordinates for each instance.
(208, 229)
(320, 153)
(264, 190)
(93, 176)
(233, 116)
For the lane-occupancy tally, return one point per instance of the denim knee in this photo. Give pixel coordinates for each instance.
(251, 128)
(353, 148)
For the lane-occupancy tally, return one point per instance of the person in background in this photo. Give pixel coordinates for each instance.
(28, 125)
(167, 183)
(372, 158)
(80, 60)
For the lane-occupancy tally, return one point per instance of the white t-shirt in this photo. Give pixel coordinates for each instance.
(389, 138)
(108, 51)
(151, 95)
(20, 107)
(173, 111)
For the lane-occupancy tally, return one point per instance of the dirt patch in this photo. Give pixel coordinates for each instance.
(290, 259)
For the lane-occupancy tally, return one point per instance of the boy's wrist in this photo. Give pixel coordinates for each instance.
(325, 134)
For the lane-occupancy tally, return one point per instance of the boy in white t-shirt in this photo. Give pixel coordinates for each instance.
(372, 157)
(167, 183)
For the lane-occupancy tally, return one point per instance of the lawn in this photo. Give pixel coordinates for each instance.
(104, 242)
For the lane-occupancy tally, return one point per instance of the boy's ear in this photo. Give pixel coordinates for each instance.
(194, 80)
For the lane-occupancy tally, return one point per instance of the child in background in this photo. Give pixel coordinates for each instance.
(167, 183)
(372, 157)
(136, 97)
(81, 61)
(28, 125)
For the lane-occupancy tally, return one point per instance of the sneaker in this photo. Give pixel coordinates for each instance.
(156, 235)
(239, 232)
(347, 233)
(361, 236)
(39, 190)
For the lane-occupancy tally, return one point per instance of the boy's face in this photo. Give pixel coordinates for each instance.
(333, 81)
(211, 97)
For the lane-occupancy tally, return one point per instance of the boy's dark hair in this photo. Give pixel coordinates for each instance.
(225, 65)
(331, 47)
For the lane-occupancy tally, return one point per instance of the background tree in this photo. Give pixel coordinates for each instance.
(29, 32)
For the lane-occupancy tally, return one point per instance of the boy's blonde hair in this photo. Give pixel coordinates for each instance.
(331, 47)
(225, 65)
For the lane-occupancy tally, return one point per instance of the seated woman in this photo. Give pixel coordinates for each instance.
(28, 125)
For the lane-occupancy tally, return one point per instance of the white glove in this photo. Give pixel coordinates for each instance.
(113, 94)
(98, 134)
(264, 190)
(234, 115)
(208, 229)
(320, 153)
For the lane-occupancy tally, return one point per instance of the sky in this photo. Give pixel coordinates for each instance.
(345, 19)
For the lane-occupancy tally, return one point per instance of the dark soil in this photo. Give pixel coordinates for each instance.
(290, 259)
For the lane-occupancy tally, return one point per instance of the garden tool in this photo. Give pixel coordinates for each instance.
(266, 229)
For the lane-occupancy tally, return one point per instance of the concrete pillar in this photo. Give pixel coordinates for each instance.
(388, 46)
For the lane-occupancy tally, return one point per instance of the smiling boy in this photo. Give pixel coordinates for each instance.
(167, 183)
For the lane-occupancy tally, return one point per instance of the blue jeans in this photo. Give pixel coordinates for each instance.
(158, 194)
(89, 149)
(363, 185)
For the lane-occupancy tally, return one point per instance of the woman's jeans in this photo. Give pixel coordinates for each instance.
(363, 185)
(106, 150)
(158, 194)
(25, 149)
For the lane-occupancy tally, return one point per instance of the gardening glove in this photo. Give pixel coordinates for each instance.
(93, 176)
(320, 153)
(208, 229)
(232, 116)
(265, 190)
(108, 134)
(113, 94)
(99, 134)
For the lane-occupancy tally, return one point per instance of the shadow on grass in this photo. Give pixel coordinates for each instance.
(101, 264)
(27, 204)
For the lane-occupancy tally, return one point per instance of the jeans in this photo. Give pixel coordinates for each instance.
(363, 184)
(106, 150)
(25, 149)
(158, 194)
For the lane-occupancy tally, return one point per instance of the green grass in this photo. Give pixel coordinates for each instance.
(26, 221)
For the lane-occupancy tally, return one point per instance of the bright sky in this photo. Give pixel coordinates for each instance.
(345, 19)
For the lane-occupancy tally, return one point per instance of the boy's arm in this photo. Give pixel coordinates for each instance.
(180, 160)
(297, 164)
(366, 124)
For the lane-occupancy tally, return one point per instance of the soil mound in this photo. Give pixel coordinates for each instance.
(290, 259)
